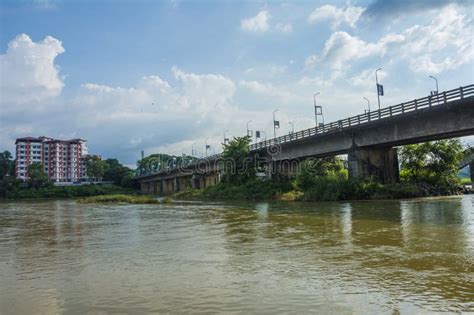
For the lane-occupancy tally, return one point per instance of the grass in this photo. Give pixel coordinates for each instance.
(67, 191)
(132, 199)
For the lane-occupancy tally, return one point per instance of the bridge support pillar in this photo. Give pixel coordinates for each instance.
(379, 164)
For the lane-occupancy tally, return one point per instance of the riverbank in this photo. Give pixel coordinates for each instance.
(324, 189)
(121, 199)
(67, 191)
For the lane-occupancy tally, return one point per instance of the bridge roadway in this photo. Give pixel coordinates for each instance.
(368, 139)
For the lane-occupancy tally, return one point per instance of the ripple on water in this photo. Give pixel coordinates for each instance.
(362, 257)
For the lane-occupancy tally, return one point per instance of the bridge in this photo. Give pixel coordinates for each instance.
(369, 140)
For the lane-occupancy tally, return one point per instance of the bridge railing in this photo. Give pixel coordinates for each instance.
(439, 99)
(384, 113)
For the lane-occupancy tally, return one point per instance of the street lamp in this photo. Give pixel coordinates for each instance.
(207, 146)
(379, 89)
(225, 139)
(315, 108)
(368, 103)
(436, 80)
(292, 127)
(248, 135)
(275, 123)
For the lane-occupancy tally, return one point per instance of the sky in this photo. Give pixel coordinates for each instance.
(166, 76)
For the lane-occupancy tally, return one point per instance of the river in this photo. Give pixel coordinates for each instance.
(371, 257)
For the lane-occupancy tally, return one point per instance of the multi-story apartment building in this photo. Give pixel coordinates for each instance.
(62, 160)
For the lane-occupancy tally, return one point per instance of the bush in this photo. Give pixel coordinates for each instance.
(120, 199)
(251, 190)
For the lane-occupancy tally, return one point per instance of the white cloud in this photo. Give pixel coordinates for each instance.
(366, 78)
(269, 92)
(206, 90)
(28, 72)
(286, 28)
(257, 24)
(347, 15)
(340, 48)
(447, 39)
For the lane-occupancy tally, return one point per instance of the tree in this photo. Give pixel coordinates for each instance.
(8, 184)
(239, 166)
(312, 169)
(36, 176)
(7, 164)
(119, 174)
(435, 163)
(95, 167)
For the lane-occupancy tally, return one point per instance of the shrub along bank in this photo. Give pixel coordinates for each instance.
(427, 169)
(51, 191)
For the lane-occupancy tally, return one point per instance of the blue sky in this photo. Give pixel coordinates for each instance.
(92, 69)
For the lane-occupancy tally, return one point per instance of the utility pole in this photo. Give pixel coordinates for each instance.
(379, 88)
(225, 139)
(207, 146)
(315, 109)
(368, 103)
(275, 123)
(436, 80)
(437, 90)
(248, 134)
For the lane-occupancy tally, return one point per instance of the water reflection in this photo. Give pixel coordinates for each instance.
(357, 257)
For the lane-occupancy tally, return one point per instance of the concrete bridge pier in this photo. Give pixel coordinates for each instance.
(379, 164)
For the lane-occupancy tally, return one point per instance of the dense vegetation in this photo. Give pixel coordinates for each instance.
(51, 191)
(120, 198)
(427, 169)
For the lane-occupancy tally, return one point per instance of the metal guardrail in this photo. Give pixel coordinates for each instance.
(439, 99)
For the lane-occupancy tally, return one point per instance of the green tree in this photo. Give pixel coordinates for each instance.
(36, 176)
(239, 166)
(434, 163)
(95, 167)
(119, 174)
(7, 164)
(312, 169)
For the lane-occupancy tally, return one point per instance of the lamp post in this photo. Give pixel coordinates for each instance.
(368, 103)
(292, 127)
(377, 83)
(275, 123)
(225, 139)
(436, 80)
(248, 135)
(207, 146)
(315, 108)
